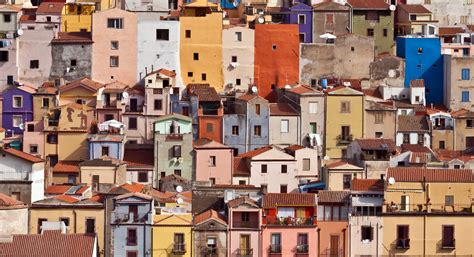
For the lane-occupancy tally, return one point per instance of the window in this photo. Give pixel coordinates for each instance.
(469, 123)
(114, 61)
(30, 127)
(40, 224)
(306, 164)
(52, 138)
(158, 104)
(48, 18)
(114, 45)
(108, 117)
(3, 56)
(283, 189)
(209, 127)
(314, 82)
(234, 58)
(449, 200)
(162, 34)
(313, 107)
(427, 2)
(132, 254)
(301, 19)
(345, 107)
(157, 91)
(302, 37)
(346, 181)
(212, 161)
(465, 96)
(142, 177)
(275, 246)
(441, 144)
(188, 33)
(9, 77)
(190, 74)
(405, 203)
(203, 77)
(115, 23)
(257, 109)
(378, 118)
(131, 236)
(34, 64)
(212, 181)
(17, 120)
(264, 188)
(245, 216)
(7, 18)
(420, 50)
(385, 32)
(274, 47)
(421, 139)
(370, 32)
(33, 149)
(196, 56)
(105, 151)
(178, 242)
(313, 128)
(257, 131)
(302, 243)
(212, 245)
(90, 226)
(71, 179)
(176, 151)
(463, 19)
(132, 123)
(45, 103)
(166, 82)
(284, 168)
(242, 182)
(329, 18)
(284, 126)
(238, 36)
(406, 138)
(378, 134)
(17, 101)
(403, 239)
(264, 168)
(367, 233)
(235, 130)
(73, 62)
(448, 237)
(465, 74)
(65, 221)
(237, 82)
(345, 133)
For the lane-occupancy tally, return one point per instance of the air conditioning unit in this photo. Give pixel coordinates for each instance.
(234, 64)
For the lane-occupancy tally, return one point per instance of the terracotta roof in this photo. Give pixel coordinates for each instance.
(377, 144)
(50, 8)
(50, 244)
(131, 188)
(207, 215)
(337, 164)
(9, 8)
(333, 196)
(373, 185)
(22, 155)
(66, 167)
(73, 37)
(294, 148)
(417, 83)
(413, 8)
(372, 92)
(368, 4)
(247, 97)
(415, 148)
(414, 174)
(240, 167)
(27, 18)
(85, 82)
(449, 155)
(303, 89)
(409, 123)
(134, 194)
(57, 189)
(47, 88)
(67, 198)
(203, 143)
(282, 109)
(8, 202)
(462, 113)
(274, 200)
(449, 31)
(256, 152)
(139, 158)
(241, 200)
(330, 6)
(419, 158)
(204, 92)
(167, 73)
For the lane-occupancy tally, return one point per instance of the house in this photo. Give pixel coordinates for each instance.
(80, 245)
(130, 221)
(22, 175)
(106, 143)
(463, 129)
(348, 57)
(373, 19)
(139, 129)
(338, 175)
(308, 163)
(458, 87)
(79, 192)
(455, 41)
(434, 200)
(173, 147)
(140, 161)
(103, 172)
(426, 50)
(372, 153)
(301, 14)
(380, 120)
(83, 91)
(44, 100)
(279, 67)
(201, 44)
(245, 220)
(77, 16)
(14, 215)
(238, 57)
(160, 91)
(65, 172)
(283, 115)
(245, 122)
(330, 17)
(172, 234)
(213, 162)
(309, 102)
(414, 19)
(365, 221)
(109, 103)
(413, 130)
(77, 216)
(289, 225)
(344, 119)
(456, 159)
(456, 13)
(333, 210)
(114, 55)
(413, 155)
(9, 50)
(442, 128)
(171, 182)
(210, 234)
(17, 108)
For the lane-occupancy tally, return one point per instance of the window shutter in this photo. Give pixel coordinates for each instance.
(371, 236)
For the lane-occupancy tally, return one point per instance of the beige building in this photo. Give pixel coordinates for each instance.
(103, 171)
(284, 123)
(380, 120)
(44, 100)
(458, 85)
(338, 175)
(463, 129)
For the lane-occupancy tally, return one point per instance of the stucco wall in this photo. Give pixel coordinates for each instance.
(14, 221)
(277, 137)
(222, 171)
(62, 55)
(35, 45)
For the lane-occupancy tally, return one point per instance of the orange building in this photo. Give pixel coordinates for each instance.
(276, 61)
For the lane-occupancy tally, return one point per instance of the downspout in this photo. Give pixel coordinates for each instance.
(319, 241)
(344, 242)
(349, 249)
(75, 220)
(424, 235)
(377, 241)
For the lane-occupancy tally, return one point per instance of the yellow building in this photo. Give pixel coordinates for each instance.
(172, 235)
(77, 17)
(86, 216)
(344, 119)
(201, 44)
(428, 212)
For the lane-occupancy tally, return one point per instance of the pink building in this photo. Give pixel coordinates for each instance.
(33, 138)
(289, 225)
(244, 222)
(110, 102)
(213, 162)
(114, 52)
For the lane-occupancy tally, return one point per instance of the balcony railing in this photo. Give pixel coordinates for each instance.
(344, 139)
(275, 248)
(403, 243)
(179, 248)
(210, 252)
(245, 224)
(245, 252)
(428, 208)
(289, 221)
(138, 108)
(53, 123)
(302, 249)
(446, 127)
(15, 175)
(449, 245)
(332, 253)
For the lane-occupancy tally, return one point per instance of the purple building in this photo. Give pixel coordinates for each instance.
(17, 108)
(302, 15)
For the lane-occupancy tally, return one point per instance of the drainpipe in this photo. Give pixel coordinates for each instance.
(344, 242)
(319, 241)
(349, 249)
(75, 220)
(424, 235)
(377, 241)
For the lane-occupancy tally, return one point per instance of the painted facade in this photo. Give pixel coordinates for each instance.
(17, 108)
(330, 17)
(172, 235)
(83, 91)
(463, 131)
(302, 15)
(8, 62)
(380, 120)
(14, 214)
(338, 175)
(210, 234)
(77, 17)
(458, 90)
(284, 121)
(110, 102)
(213, 162)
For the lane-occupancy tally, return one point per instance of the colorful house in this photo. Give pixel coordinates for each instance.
(109, 103)
(107, 143)
(44, 100)
(83, 92)
(172, 235)
(8, 53)
(289, 225)
(413, 130)
(210, 234)
(330, 17)
(338, 175)
(138, 128)
(102, 173)
(213, 162)
(161, 90)
(414, 19)
(14, 214)
(140, 161)
(463, 129)
(284, 121)
(77, 16)
(302, 15)
(17, 108)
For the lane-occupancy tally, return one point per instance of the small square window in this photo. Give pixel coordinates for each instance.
(203, 77)
(235, 130)
(34, 64)
(234, 58)
(114, 61)
(7, 18)
(73, 62)
(196, 56)
(370, 32)
(238, 36)
(190, 74)
(210, 127)
(143, 177)
(162, 34)
(114, 45)
(274, 47)
(420, 50)
(237, 82)
(33, 149)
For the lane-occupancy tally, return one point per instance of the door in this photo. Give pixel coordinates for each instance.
(334, 250)
(244, 245)
(133, 104)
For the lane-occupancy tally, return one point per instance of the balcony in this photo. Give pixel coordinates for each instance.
(302, 250)
(275, 250)
(403, 243)
(394, 208)
(53, 123)
(290, 221)
(245, 252)
(15, 176)
(344, 139)
(448, 245)
(210, 252)
(245, 224)
(138, 108)
(440, 127)
(179, 248)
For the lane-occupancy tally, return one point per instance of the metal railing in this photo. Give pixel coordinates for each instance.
(138, 108)
(332, 253)
(290, 221)
(428, 208)
(302, 248)
(275, 248)
(345, 139)
(245, 224)
(179, 248)
(210, 251)
(244, 252)
(403, 243)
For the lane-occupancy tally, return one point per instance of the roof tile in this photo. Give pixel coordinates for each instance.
(415, 174)
(273, 200)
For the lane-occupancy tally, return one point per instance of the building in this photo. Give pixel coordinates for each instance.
(308, 162)
(349, 57)
(130, 221)
(172, 234)
(457, 12)
(109, 104)
(414, 19)
(64, 172)
(344, 117)
(413, 130)
(161, 90)
(201, 44)
(374, 19)
(213, 162)
(8, 53)
(114, 50)
(139, 127)
(423, 60)
(22, 176)
(17, 108)
(374, 154)
(77, 16)
(338, 175)
(106, 143)
(330, 17)
(302, 14)
(140, 161)
(442, 129)
(83, 91)
(457, 86)
(14, 215)
(380, 120)
(103, 173)
(44, 100)
(289, 225)
(245, 122)
(276, 61)
(430, 215)
(463, 134)
(283, 116)
(210, 234)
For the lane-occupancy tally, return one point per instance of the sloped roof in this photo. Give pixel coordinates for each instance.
(342, 165)
(240, 167)
(419, 158)
(282, 109)
(172, 219)
(256, 152)
(241, 200)
(50, 8)
(134, 194)
(449, 31)
(417, 83)
(416, 148)
(377, 144)
(410, 123)
(131, 188)
(367, 185)
(87, 83)
(330, 6)
(333, 196)
(165, 72)
(73, 38)
(274, 200)
(462, 113)
(413, 8)
(415, 174)
(207, 215)
(449, 155)
(174, 116)
(139, 158)
(248, 97)
(368, 4)
(203, 143)
(22, 155)
(204, 92)
(6, 202)
(67, 167)
(304, 89)
(294, 147)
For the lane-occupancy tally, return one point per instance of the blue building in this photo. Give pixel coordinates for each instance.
(423, 60)
(130, 224)
(17, 108)
(302, 15)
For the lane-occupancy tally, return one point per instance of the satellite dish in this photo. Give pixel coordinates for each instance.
(125, 95)
(235, 4)
(261, 20)
(179, 189)
(391, 180)
(287, 87)
(392, 7)
(254, 89)
(179, 200)
(19, 32)
(21, 126)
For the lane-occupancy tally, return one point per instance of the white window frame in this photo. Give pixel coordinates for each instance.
(284, 128)
(21, 101)
(313, 107)
(13, 120)
(301, 15)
